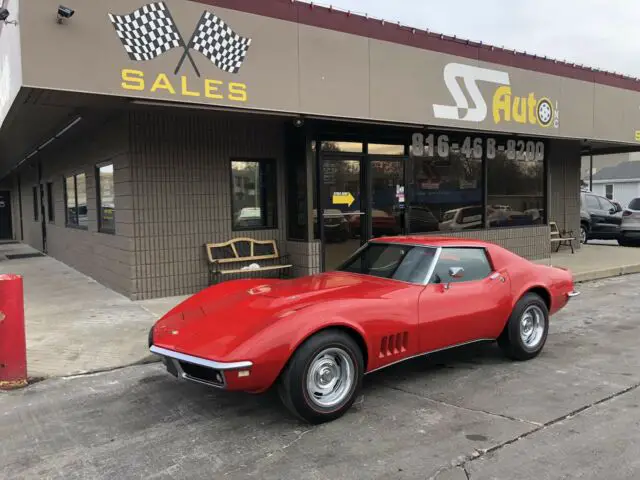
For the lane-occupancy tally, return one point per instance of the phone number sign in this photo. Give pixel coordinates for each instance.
(442, 145)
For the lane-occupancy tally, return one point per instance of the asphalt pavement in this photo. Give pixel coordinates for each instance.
(574, 412)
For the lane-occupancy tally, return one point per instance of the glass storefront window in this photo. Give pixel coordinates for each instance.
(384, 149)
(348, 147)
(445, 193)
(253, 194)
(515, 191)
(106, 199)
(76, 201)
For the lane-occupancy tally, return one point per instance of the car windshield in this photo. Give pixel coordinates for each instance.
(449, 215)
(634, 204)
(395, 261)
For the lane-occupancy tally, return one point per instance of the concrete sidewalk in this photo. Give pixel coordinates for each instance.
(597, 260)
(74, 324)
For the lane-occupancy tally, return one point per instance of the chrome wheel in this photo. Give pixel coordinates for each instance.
(330, 377)
(532, 324)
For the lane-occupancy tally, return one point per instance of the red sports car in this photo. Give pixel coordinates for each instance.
(394, 299)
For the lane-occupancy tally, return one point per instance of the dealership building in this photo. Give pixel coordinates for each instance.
(134, 133)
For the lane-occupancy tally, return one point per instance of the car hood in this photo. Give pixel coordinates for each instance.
(212, 323)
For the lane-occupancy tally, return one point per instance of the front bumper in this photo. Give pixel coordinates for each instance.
(196, 369)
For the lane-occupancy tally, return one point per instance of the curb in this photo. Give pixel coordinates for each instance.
(606, 273)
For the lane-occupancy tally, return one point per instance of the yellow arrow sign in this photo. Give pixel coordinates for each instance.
(343, 198)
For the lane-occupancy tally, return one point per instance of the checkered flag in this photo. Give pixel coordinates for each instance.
(147, 32)
(219, 43)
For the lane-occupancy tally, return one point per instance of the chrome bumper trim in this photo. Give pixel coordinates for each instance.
(573, 294)
(200, 361)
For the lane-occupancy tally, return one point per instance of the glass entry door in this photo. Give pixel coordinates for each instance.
(387, 196)
(344, 218)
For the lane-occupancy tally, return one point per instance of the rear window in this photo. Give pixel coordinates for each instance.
(634, 204)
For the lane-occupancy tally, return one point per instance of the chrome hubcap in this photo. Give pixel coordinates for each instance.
(583, 235)
(532, 325)
(330, 377)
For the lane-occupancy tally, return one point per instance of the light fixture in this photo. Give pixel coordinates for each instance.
(64, 13)
(4, 14)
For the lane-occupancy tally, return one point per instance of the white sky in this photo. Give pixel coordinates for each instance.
(599, 33)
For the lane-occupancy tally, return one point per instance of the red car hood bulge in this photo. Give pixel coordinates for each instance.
(213, 325)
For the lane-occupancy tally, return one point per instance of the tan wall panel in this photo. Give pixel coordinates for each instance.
(299, 68)
(334, 73)
(576, 102)
(403, 83)
(609, 114)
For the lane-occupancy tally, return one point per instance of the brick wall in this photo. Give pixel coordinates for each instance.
(182, 192)
(105, 257)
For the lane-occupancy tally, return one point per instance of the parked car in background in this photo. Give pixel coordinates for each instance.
(422, 219)
(630, 225)
(336, 226)
(599, 218)
(465, 218)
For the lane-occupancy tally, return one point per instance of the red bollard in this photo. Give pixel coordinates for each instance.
(13, 345)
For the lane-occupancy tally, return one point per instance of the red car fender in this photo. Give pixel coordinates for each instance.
(271, 348)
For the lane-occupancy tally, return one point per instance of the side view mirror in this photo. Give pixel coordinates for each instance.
(613, 210)
(456, 272)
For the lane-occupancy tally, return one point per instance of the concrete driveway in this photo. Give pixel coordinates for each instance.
(572, 413)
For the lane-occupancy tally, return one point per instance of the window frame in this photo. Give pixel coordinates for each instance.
(606, 195)
(260, 161)
(51, 211)
(36, 206)
(101, 227)
(463, 280)
(66, 200)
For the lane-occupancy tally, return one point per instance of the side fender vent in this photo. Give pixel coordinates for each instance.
(393, 345)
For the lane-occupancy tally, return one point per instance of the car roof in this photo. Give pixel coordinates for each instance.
(433, 241)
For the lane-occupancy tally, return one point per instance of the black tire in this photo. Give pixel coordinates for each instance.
(292, 386)
(584, 234)
(511, 341)
(623, 242)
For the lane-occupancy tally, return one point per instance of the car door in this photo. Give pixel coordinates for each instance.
(471, 305)
(598, 216)
(612, 217)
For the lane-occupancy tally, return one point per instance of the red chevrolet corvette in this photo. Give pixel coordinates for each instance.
(394, 299)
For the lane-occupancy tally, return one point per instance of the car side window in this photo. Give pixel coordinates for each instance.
(606, 204)
(474, 261)
(592, 202)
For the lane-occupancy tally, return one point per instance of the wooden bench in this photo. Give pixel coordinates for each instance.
(263, 253)
(564, 238)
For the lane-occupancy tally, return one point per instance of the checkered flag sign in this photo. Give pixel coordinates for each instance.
(219, 43)
(147, 32)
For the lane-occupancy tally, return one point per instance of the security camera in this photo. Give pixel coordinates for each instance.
(4, 14)
(64, 13)
(298, 122)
